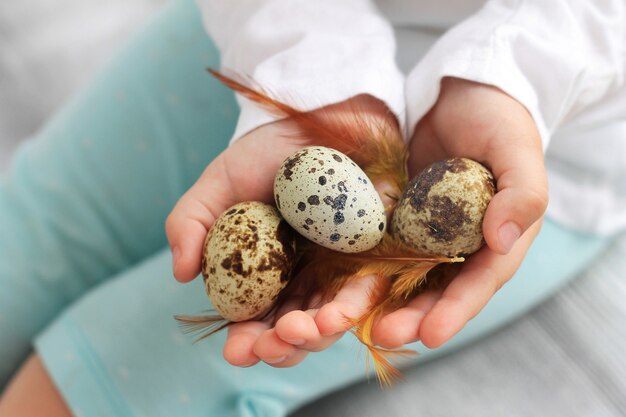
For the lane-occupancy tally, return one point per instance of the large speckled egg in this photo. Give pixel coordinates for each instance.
(247, 260)
(328, 199)
(442, 209)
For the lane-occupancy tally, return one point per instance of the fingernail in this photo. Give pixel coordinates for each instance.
(509, 233)
(274, 361)
(175, 258)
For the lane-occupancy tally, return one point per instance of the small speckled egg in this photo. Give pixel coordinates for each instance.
(328, 199)
(247, 260)
(442, 209)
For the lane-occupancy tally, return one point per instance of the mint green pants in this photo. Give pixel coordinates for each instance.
(84, 269)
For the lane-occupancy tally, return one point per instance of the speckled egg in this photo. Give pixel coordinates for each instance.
(328, 199)
(247, 259)
(442, 209)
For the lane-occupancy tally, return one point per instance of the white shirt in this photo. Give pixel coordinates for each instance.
(564, 60)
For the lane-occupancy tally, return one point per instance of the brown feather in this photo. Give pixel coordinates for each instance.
(203, 326)
(375, 145)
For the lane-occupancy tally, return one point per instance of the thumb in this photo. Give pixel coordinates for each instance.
(243, 172)
(188, 223)
(522, 190)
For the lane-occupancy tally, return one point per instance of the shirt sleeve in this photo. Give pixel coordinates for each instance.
(555, 57)
(307, 53)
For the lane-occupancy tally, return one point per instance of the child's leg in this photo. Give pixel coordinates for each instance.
(89, 195)
(30, 383)
(118, 351)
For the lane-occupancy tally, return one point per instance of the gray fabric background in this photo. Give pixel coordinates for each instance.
(566, 358)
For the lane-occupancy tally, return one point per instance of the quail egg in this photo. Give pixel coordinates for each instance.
(328, 199)
(247, 260)
(441, 212)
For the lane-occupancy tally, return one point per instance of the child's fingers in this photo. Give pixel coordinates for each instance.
(402, 326)
(522, 195)
(187, 225)
(238, 349)
(186, 228)
(272, 350)
(483, 274)
(299, 329)
(351, 302)
(292, 360)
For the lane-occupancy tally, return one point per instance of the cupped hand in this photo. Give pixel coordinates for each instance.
(483, 123)
(245, 172)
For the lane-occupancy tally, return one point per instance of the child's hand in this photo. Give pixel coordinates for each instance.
(245, 172)
(482, 123)
(470, 120)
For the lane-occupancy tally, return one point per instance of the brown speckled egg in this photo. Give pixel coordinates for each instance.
(247, 259)
(442, 209)
(328, 199)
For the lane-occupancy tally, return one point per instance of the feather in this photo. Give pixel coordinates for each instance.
(203, 326)
(406, 272)
(405, 284)
(376, 145)
(386, 373)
